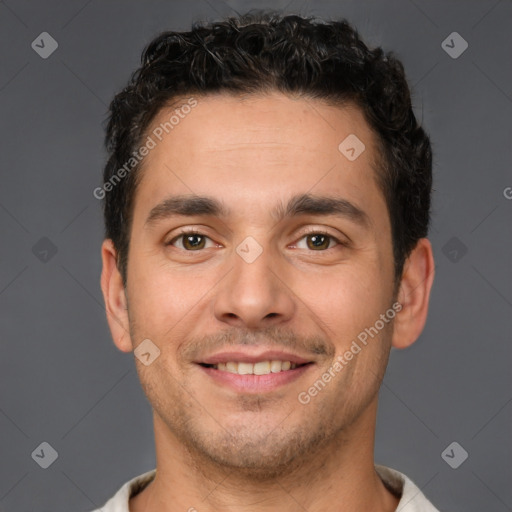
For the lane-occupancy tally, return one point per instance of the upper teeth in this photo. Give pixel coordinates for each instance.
(259, 368)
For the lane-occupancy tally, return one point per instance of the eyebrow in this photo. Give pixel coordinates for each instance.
(300, 204)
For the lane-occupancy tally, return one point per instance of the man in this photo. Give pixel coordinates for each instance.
(267, 201)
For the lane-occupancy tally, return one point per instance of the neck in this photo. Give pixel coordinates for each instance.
(339, 476)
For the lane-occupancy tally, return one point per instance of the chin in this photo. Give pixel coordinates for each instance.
(254, 452)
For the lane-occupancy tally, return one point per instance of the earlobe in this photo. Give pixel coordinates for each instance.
(414, 294)
(115, 298)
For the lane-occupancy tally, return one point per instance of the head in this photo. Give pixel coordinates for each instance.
(299, 246)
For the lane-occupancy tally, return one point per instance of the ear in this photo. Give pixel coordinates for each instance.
(414, 294)
(115, 298)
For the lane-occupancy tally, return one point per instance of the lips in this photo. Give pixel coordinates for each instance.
(252, 369)
(254, 383)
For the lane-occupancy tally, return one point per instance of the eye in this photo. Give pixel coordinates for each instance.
(191, 239)
(319, 240)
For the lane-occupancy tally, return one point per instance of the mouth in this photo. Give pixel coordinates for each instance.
(246, 372)
(259, 368)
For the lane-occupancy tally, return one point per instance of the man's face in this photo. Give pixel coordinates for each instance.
(251, 282)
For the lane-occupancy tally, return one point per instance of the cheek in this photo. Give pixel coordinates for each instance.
(159, 297)
(345, 301)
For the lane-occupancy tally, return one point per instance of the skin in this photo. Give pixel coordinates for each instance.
(265, 451)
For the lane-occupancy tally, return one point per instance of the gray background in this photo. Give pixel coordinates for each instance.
(62, 379)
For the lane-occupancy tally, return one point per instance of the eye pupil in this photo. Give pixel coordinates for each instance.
(189, 240)
(320, 239)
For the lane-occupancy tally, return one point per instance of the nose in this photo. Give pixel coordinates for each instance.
(255, 294)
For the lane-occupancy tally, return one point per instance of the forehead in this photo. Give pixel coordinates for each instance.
(232, 123)
(255, 148)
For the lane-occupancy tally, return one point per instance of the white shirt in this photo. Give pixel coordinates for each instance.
(412, 499)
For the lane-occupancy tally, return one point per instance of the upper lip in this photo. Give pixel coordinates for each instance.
(247, 357)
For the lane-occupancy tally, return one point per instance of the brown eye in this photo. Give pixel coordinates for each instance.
(193, 241)
(190, 241)
(319, 241)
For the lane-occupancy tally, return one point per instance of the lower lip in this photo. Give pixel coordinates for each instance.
(255, 383)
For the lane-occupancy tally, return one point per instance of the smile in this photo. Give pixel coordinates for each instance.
(258, 368)
(258, 377)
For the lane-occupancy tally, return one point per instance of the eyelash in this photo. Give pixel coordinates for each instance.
(192, 231)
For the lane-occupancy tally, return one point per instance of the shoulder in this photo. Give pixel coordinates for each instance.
(411, 497)
(120, 501)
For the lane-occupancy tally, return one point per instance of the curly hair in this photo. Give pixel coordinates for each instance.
(266, 51)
